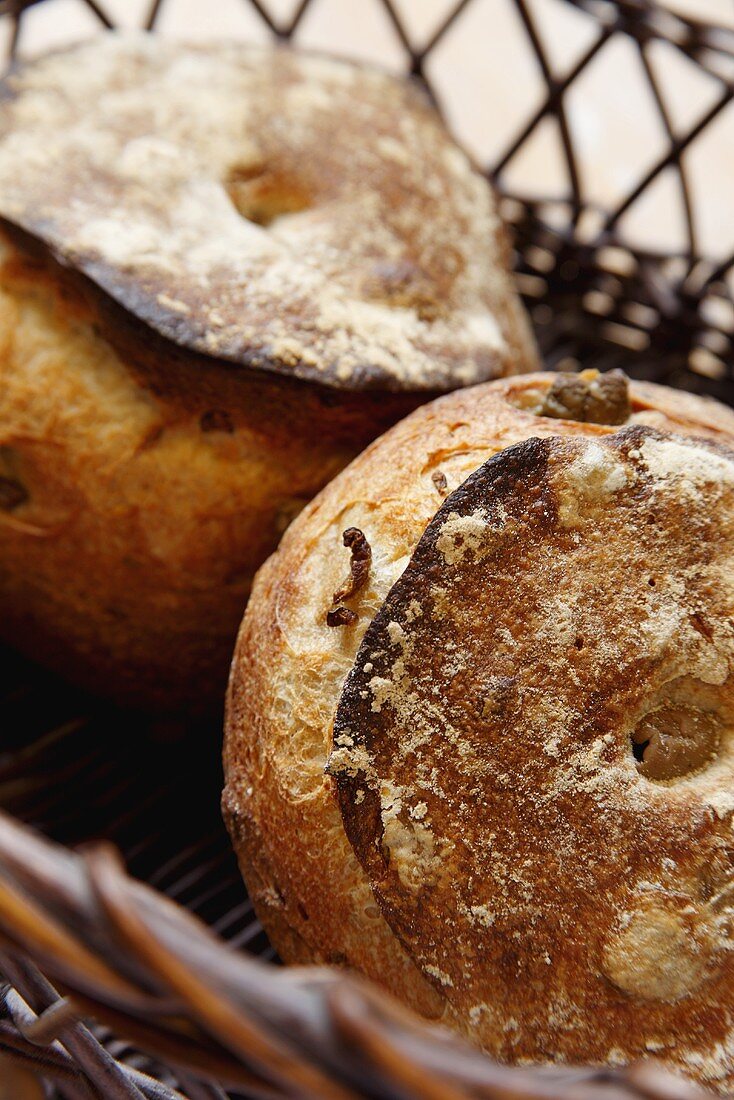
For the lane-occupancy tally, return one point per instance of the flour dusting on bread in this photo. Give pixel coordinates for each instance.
(275, 209)
(530, 700)
(541, 814)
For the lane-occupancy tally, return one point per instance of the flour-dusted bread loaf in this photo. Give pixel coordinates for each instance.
(483, 752)
(223, 271)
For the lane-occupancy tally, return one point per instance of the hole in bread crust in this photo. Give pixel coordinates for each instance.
(262, 195)
(216, 420)
(675, 740)
(13, 492)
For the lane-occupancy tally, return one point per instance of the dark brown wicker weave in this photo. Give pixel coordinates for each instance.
(113, 988)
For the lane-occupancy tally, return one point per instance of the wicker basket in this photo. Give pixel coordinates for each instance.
(163, 985)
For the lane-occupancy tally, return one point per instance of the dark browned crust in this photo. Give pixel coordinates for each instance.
(514, 478)
(489, 795)
(146, 296)
(192, 381)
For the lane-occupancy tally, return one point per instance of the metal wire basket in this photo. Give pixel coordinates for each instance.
(163, 984)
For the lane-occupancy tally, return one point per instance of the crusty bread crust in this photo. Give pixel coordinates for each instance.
(214, 291)
(281, 211)
(318, 901)
(139, 494)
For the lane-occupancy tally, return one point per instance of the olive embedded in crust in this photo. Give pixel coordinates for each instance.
(505, 791)
(588, 397)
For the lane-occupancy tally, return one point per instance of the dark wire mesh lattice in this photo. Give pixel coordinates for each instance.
(598, 295)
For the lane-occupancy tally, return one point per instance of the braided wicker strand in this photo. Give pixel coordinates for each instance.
(133, 959)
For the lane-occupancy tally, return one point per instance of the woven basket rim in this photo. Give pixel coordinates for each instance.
(132, 958)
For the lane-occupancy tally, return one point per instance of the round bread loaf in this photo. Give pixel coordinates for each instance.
(223, 271)
(484, 751)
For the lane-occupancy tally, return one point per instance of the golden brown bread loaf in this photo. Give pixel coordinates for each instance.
(504, 786)
(224, 271)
